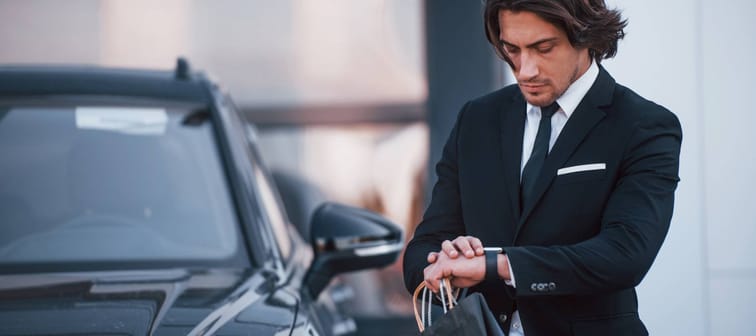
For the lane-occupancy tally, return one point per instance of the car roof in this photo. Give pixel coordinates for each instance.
(181, 85)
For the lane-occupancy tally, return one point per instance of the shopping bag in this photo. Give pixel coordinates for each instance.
(468, 317)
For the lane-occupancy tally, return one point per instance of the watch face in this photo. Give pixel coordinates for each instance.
(493, 249)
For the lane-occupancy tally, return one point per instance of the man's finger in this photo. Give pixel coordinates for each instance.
(463, 245)
(431, 285)
(430, 279)
(448, 248)
(432, 257)
(476, 245)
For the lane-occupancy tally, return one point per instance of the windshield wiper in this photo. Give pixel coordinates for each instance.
(196, 118)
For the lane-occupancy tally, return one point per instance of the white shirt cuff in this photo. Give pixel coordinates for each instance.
(511, 281)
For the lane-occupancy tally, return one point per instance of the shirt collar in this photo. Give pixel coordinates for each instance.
(570, 99)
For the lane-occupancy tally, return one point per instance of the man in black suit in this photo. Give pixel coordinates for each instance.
(554, 195)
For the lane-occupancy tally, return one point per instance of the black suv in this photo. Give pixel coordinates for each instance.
(135, 203)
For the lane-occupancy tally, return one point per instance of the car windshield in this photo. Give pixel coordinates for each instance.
(90, 182)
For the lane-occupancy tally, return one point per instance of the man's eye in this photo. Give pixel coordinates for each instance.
(545, 50)
(512, 50)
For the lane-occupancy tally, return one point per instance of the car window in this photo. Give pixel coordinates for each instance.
(97, 183)
(275, 213)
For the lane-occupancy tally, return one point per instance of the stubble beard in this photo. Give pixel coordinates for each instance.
(556, 95)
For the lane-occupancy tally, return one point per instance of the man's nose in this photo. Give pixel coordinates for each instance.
(528, 68)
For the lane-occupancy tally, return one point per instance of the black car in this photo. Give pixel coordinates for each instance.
(135, 203)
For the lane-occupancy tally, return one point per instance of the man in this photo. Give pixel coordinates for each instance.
(570, 174)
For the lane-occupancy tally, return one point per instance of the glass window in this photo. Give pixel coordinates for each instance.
(123, 183)
(275, 213)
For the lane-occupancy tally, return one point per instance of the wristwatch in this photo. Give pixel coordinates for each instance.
(492, 264)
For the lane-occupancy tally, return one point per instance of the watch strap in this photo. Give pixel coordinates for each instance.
(492, 265)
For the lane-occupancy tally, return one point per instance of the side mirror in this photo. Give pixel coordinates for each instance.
(348, 239)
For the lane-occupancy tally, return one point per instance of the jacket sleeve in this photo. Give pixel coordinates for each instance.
(443, 217)
(634, 223)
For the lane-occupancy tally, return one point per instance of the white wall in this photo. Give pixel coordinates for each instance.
(33, 31)
(285, 52)
(695, 58)
(728, 52)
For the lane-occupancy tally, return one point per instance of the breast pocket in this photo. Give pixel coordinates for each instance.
(580, 176)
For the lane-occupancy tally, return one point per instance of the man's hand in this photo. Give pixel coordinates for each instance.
(463, 272)
(466, 272)
(468, 246)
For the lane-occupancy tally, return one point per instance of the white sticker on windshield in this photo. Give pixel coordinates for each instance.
(128, 120)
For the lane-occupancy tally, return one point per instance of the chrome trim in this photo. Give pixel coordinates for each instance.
(378, 250)
(493, 249)
(245, 296)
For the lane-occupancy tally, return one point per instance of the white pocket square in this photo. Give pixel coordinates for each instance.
(581, 168)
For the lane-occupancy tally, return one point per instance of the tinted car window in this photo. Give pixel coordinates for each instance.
(98, 183)
(275, 213)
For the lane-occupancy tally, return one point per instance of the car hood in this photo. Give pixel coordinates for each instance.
(155, 302)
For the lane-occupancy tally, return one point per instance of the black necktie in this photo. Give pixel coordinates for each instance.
(538, 155)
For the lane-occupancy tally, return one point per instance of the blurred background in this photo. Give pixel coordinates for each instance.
(357, 97)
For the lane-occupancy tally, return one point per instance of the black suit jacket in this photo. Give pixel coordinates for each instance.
(580, 248)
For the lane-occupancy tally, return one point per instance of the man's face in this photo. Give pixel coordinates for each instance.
(543, 60)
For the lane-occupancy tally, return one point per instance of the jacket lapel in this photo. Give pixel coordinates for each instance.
(512, 130)
(584, 118)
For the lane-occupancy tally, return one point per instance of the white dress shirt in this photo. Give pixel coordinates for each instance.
(568, 102)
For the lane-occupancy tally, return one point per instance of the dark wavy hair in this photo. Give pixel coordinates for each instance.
(588, 23)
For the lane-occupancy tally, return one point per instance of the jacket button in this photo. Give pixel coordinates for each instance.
(502, 318)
